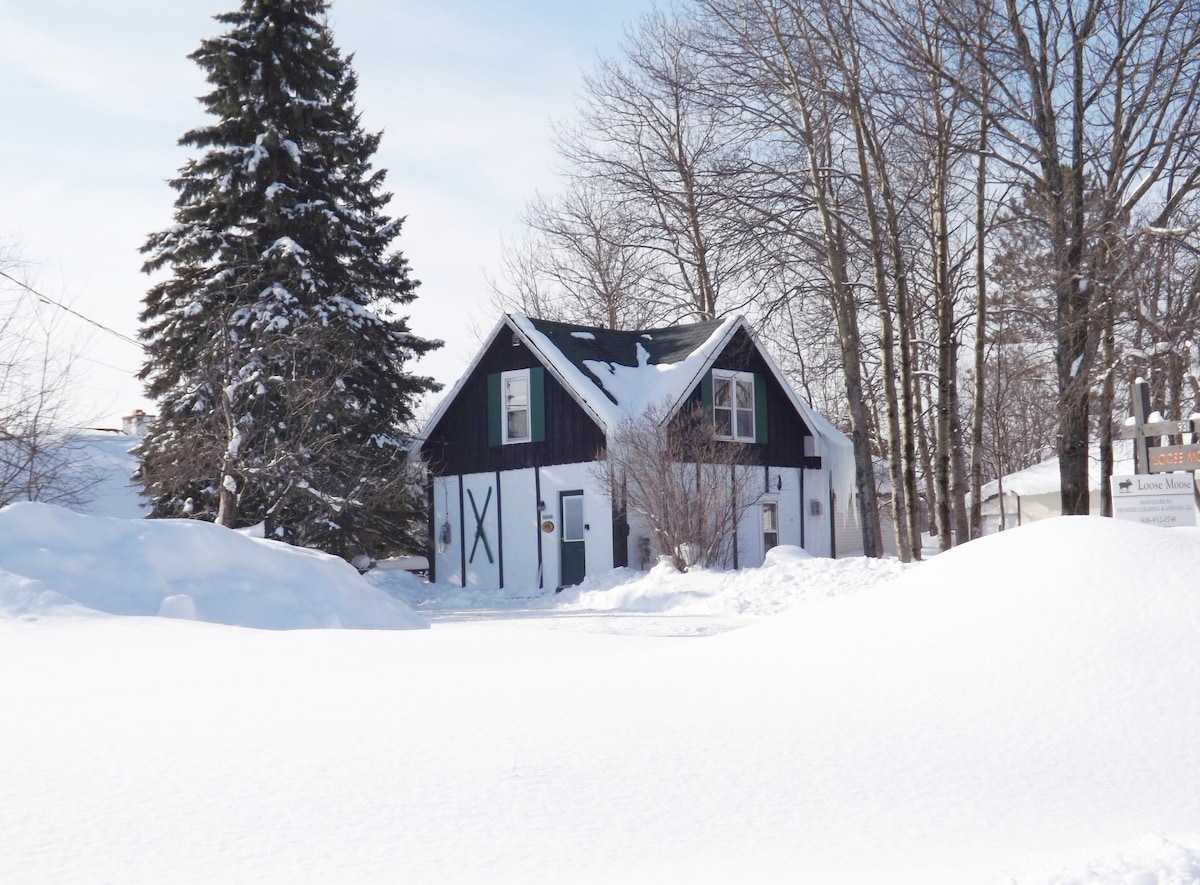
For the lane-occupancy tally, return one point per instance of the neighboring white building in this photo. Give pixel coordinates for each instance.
(91, 472)
(136, 423)
(1036, 492)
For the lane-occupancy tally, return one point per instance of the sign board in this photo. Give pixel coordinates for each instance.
(1164, 499)
(1163, 459)
(1148, 456)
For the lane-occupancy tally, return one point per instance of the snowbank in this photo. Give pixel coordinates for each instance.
(1021, 709)
(789, 577)
(55, 561)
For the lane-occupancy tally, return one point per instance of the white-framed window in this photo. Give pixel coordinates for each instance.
(770, 525)
(514, 392)
(733, 405)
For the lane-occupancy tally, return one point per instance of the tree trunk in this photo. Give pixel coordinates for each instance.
(879, 235)
(979, 391)
(944, 302)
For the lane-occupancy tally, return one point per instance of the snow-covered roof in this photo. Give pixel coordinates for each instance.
(617, 374)
(1043, 478)
(91, 471)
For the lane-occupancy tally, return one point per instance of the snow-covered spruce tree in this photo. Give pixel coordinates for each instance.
(274, 349)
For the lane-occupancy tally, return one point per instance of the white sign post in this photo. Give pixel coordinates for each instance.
(1164, 499)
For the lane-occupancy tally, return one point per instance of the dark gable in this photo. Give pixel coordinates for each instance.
(459, 443)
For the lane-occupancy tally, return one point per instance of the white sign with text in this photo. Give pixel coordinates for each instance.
(1165, 499)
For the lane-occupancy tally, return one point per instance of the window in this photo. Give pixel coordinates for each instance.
(515, 406)
(515, 392)
(770, 525)
(572, 517)
(733, 405)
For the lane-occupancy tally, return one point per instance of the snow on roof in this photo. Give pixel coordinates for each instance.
(619, 374)
(616, 374)
(91, 471)
(1043, 478)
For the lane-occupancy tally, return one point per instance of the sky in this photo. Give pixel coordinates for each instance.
(96, 95)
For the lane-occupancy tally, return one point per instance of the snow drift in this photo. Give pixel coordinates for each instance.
(1019, 710)
(54, 559)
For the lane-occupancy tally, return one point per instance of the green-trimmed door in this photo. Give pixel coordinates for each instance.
(571, 559)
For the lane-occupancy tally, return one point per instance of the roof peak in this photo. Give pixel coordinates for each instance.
(657, 346)
(608, 330)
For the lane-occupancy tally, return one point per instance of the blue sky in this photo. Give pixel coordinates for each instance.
(96, 95)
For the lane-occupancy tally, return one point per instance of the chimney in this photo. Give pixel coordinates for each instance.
(136, 424)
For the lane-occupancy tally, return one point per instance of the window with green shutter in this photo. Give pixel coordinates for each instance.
(516, 407)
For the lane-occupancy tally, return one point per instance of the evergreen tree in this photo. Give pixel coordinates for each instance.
(274, 349)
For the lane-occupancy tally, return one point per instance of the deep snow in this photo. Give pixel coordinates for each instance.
(52, 558)
(1021, 709)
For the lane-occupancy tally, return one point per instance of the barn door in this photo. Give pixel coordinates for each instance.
(572, 562)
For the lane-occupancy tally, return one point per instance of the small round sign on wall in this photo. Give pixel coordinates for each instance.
(547, 526)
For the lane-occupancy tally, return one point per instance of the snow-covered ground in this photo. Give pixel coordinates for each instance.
(660, 603)
(1022, 709)
(54, 561)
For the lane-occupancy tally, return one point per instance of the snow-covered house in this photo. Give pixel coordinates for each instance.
(1036, 492)
(136, 423)
(514, 498)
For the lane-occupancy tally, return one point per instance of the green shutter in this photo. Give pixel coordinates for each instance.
(706, 398)
(537, 404)
(495, 409)
(760, 408)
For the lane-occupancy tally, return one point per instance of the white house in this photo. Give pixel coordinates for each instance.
(514, 499)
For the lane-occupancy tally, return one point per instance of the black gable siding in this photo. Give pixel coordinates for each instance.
(785, 427)
(459, 442)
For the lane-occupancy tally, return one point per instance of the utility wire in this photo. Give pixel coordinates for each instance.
(46, 299)
(87, 359)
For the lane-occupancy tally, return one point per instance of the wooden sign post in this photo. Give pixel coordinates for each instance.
(1164, 500)
(1148, 455)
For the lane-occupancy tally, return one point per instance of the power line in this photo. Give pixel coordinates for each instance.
(46, 299)
(87, 359)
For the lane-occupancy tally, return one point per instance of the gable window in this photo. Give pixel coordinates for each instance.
(733, 405)
(515, 409)
(515, 386)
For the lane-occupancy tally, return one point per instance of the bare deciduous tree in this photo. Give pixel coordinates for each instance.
(780, 69)
(40, 456)
(870, 153)
(576, 261)
(673, 160)
(1095, 106)
(689, 486)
